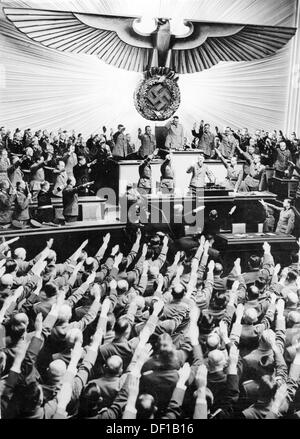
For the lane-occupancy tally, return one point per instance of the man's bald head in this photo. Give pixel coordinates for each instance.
(122, 286)
(293, 318)
(7, 280)
(216, 360)
(250, 316)
(292, 299)
(213, 340)
(114, 365)
(56, 370)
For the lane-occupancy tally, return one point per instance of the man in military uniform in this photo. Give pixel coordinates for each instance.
(206, 139)
(148, 142)
(120, 143)
(286, 222)
(174, 139)
(144, 184)
(253, 181)
(234, 173)
(167, 182)
(199, 171)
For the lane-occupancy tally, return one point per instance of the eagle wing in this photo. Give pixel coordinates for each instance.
(113, 39)
(209, 43)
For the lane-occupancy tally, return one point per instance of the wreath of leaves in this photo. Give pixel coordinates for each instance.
(143, 106)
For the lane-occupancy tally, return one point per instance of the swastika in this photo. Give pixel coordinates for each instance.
(159, 96)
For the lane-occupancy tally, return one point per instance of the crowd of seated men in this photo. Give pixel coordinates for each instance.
(144, 334)
(38, 166)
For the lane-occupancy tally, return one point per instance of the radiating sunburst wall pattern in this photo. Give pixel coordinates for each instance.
(44, 88)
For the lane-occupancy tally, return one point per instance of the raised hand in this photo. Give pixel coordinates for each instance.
(177, 258)
(277, 269)
(38, 324)
(280, 307)
(237, 266)
(96, 292)
(201, 377)
(273, 298)
(145, 267)
(144, 250)
(118, 259)
(105, 306)
(223, 330)
(106, 238)
(234, 355)
(133, 386)
(266, 247)
(50, 243)
(239, 312)
(165, 241)
(211, 266)
(115, 250)
(184, 373)
(206, 247)
(113, 285)
(158, 306)
(91, 278)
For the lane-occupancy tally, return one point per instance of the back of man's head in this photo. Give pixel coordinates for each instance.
(111, 320)
(293, 318)
(10, 266)
(216, 360)
(153, 271)
(51, 256)
(267, 338)
(50, 289)
(267, 387)
(122, 286)
(292, 299)
(291, 277)
(64, 314)
(218, 269)
(261, 284)
(114, 366)
(254, 262)
(20, 253)
(250, 316)
(56, 370)
(7, 280)
(90, 400)
(252, 292)
(121, 326)
(145, 406)
(213, 341)
(178, 291)
(89, 264)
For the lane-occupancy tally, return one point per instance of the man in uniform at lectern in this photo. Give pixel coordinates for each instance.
(145, 184)
(174, 139)
(199, 171)
(206, 139)
(148, 142)
(286, 222)
(167, 179)
(253, 181)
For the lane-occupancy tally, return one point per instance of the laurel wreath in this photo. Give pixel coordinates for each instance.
(142, 104)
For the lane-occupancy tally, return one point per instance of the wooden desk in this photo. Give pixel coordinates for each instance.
(233, 246)
(90, 208)
(256, 239)
(161, 207)
(283, 187)
(128, 171)
(67, 238)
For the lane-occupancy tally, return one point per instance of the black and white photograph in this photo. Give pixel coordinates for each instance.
(149, 212)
